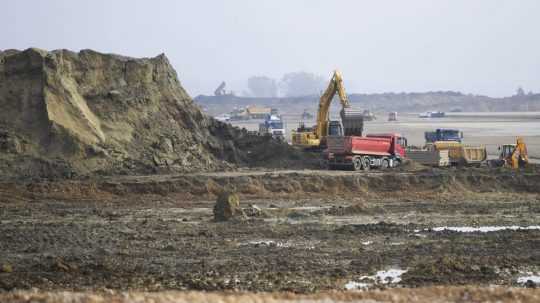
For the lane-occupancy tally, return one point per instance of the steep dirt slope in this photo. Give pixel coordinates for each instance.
(65, 113)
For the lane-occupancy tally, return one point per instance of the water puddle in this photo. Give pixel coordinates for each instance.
(390, 276)
(352, 285)
(482, 229)
(529, 277)
(286, 244)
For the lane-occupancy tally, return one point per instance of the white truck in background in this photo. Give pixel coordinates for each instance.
(273, 126)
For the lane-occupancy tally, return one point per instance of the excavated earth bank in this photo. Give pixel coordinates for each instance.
(288, 184)
(65, 114)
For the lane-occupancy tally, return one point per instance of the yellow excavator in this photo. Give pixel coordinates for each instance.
(352, 120)
(512, 155)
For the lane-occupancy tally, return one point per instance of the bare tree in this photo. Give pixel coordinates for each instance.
(301, 84)
(262, 86)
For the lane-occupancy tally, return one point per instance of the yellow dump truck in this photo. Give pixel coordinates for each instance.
(460, 154)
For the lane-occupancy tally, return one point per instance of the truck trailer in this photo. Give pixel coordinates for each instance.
(460, 154)
(363, 153)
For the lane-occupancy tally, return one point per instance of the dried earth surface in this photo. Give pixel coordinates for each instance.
(303, 232)
(395, 295)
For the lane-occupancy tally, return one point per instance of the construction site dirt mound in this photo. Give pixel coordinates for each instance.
(65, 114)
(433, 184)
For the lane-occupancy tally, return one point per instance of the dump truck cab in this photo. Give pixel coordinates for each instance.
(398, 143)
(273, 126)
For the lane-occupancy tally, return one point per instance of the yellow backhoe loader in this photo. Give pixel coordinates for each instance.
(512, 155)
(352, 120)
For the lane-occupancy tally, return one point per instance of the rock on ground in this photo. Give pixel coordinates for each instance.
(227, 207)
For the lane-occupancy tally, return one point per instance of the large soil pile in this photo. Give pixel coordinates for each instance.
(64, 113)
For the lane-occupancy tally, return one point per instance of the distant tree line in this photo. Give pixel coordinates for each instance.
(520, 92)
(290, 85)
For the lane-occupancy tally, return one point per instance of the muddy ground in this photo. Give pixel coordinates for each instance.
(306, 234)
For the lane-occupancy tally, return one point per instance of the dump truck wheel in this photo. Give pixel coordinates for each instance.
(366, 163)
(357, 164)
(385, 164)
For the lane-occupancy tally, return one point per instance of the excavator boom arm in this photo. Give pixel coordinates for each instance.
(335, 86)
(352, 119)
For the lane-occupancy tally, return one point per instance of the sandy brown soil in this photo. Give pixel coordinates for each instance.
(429, 294)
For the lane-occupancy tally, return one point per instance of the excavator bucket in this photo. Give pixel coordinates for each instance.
(353, 121)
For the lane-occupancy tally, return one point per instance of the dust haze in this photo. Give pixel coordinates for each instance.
(480, 47)
(262, 151)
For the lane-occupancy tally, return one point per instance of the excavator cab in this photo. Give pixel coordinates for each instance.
(335, 128)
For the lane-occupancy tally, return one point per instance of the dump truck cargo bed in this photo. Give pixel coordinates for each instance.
(436, 158)
(460, 154)
(359, 145)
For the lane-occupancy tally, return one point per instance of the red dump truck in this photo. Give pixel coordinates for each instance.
(363, 153)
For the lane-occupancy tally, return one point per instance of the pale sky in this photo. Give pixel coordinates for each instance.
(475, 46)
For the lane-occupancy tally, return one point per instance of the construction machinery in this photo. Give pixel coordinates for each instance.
(352, 121)
(443, 134)
(272, 126)
(363, 153)
(444, 147)
(306, 115)
(460, 154)
(220, 90)
(435, 158)
(512, 155)
(437, 114)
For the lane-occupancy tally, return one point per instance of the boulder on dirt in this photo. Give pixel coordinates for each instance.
(228, 207)
(7, 268)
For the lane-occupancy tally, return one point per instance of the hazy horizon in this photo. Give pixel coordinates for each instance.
(480, 47)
